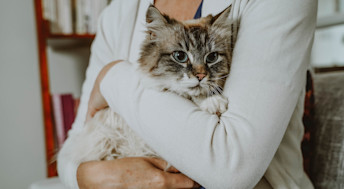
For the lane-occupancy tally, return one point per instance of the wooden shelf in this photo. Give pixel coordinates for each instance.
(50, 147)
(70, 36)
(328, 69)
(332, 20)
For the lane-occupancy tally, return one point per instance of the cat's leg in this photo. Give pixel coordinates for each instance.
(215, 104)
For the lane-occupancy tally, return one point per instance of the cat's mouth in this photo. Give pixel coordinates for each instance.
(198, 86)
(196, 90)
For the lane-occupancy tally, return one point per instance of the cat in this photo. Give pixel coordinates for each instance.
(190, 58)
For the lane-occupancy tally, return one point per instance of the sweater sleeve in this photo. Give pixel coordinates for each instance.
(269, 64)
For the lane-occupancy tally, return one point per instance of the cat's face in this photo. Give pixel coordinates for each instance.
(190, 58)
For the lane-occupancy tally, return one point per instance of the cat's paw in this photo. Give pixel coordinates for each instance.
(216, 104)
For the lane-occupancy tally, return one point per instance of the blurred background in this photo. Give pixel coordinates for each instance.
(328, 49)
(57, 59)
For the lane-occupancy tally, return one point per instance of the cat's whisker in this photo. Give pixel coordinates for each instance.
(215, 79)
(222, 77)
(210, 92)
(217, 89)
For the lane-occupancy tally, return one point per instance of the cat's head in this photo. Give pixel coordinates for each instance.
(190, 58)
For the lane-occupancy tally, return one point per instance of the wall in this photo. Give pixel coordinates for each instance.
(67, 65)
(21, 134)
(22, 153)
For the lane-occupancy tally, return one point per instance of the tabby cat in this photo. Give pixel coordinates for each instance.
(190, 58)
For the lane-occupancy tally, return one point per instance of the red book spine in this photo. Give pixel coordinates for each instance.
(58, 119)
(68, 111)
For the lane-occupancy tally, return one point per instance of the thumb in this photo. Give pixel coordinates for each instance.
(163, 165)
(176, 179)
(179, 180)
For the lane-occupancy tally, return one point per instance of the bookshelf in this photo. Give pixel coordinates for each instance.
(43, 35)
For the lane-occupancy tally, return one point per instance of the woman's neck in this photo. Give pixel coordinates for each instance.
(178, 9)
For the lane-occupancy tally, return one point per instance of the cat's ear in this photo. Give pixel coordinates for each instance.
(155, 21)
(222, 17)
(154, 15)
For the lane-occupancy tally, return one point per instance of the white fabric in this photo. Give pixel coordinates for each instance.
(261, 131)
(50, 183)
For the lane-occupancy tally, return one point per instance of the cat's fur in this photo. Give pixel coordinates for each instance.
(107, 136)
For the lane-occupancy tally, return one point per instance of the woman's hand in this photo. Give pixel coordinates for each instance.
(97, 101)
(136, 173)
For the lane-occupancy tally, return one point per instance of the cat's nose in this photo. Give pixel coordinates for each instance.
(200, 76)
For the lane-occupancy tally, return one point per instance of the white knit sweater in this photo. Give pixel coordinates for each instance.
(260, 133)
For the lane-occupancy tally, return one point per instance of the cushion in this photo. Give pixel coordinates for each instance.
(327, 163)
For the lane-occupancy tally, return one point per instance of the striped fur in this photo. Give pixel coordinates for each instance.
(198, 38)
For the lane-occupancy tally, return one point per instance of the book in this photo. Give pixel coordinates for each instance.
(46, 9)
(58, 119)
(68, 111)
(64, 16)
(80, 21)
(50, 14)
(73, 16)
(64, 110)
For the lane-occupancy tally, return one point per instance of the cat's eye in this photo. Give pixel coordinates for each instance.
(180, 56)
(212, 57)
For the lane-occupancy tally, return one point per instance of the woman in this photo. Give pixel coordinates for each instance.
(254, 144)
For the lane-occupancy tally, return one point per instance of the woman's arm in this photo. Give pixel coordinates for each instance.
(114, 173)
(268, 72)
(135, 172)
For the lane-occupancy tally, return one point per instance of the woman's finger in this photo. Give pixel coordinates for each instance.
(179, 180)
(159, 163)
(163, 165)
(172, 169)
